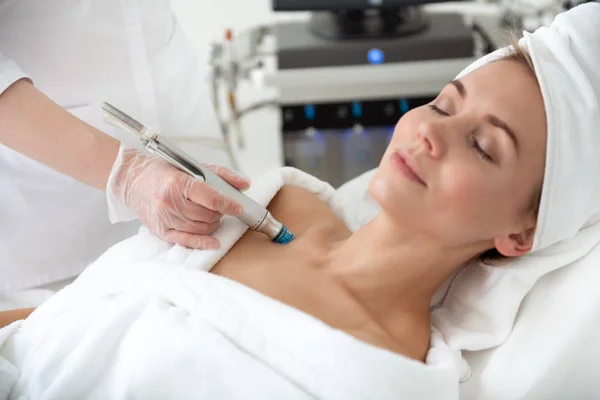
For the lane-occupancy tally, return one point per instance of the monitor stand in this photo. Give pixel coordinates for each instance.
(369, 23)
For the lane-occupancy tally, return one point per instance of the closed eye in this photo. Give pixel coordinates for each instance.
(438, 110)
(475, 144)
(473, 140)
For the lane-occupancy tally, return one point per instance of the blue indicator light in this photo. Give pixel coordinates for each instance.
(310, 112)
(404, 107)
(356, 109)
(375, 56)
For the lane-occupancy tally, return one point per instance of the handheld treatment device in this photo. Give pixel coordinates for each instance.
(254, 215)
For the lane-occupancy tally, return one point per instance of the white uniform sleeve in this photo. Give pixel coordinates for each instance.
(9, 73)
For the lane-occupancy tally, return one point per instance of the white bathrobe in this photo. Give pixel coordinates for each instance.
(148, 321)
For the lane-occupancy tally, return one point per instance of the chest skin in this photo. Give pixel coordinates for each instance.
(290, 273)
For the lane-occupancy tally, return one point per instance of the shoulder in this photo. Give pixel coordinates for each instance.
(299, 209)
(412, 343)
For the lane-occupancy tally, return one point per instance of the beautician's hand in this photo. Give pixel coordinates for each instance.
(173, 205)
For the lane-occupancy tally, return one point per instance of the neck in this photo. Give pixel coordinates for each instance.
(392, 272)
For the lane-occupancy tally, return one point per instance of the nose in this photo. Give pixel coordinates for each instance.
(430, 136)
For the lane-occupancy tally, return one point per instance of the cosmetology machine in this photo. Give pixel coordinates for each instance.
(345, 73)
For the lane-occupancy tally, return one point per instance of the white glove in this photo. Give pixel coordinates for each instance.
(173, 205)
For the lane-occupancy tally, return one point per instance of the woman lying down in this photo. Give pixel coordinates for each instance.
(334, 314)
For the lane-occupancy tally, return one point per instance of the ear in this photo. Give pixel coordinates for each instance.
(515, 244)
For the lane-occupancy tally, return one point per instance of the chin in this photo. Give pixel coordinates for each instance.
(398, 197)
(383, 189)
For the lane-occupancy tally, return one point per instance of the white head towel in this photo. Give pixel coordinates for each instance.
(482, 303)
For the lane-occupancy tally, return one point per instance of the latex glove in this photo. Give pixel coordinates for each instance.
(173, 205)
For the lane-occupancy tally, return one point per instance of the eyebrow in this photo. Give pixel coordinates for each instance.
(492, 119)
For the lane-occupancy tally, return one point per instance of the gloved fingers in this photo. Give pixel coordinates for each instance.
(237, 179)
(175, 206)
(204, 195)
(194, 212)
(193, 227)
(192, 241)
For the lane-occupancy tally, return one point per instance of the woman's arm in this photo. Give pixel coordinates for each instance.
(34, 125)
(10, 316)
(170, 203)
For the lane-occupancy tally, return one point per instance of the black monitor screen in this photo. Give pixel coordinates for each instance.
(316, 5)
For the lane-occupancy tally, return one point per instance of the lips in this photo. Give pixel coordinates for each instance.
(404, 164)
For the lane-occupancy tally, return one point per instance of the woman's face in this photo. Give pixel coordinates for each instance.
(477, 153)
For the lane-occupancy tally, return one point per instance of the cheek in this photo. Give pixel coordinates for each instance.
(459, 183)
(469, 196)
(473, 198)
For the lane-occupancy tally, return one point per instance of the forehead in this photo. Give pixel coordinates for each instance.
(509, 91)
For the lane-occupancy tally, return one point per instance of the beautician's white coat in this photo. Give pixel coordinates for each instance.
(81, 53)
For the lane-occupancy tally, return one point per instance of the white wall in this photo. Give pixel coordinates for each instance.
(205, 21)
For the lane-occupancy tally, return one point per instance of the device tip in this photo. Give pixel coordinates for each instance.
(284, 236)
